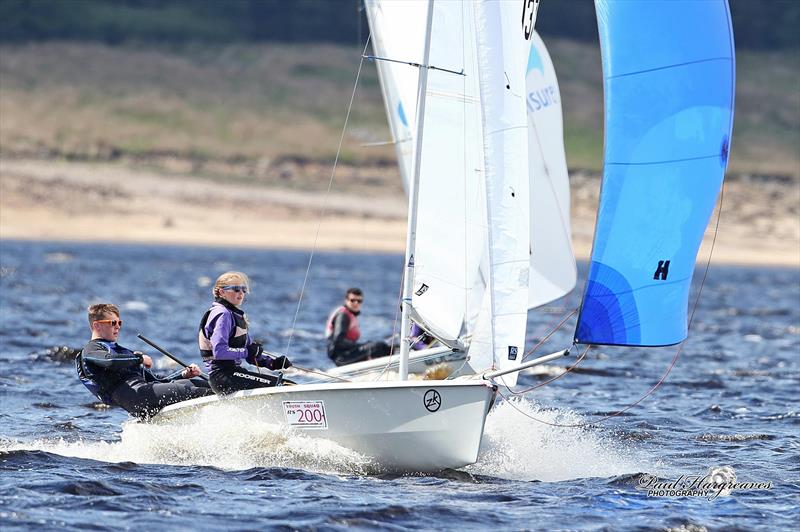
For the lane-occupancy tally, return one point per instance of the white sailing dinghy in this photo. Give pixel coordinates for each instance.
(473, 74)
(397, 33)
(668, 122)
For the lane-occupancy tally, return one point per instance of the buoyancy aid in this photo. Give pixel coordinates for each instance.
(238, 336)
(87, 378)
(353, 331)
(101, 384)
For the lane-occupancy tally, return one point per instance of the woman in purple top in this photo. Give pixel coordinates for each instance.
(224, 341)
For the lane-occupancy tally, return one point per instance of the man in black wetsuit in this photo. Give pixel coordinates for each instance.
(117, 375)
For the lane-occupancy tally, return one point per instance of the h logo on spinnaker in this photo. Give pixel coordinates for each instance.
(662, 271)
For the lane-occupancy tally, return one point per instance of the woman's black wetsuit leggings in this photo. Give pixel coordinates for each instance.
(225, 381)
(144, 399)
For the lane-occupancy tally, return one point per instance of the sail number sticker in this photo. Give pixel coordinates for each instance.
(529, 10)
(305, 414)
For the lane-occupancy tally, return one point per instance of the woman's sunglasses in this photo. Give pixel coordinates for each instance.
(236, 288)
(113, 323)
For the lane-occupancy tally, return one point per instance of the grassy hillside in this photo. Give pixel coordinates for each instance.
(238, 109)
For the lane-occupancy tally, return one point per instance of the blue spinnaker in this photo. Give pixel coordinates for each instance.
(668, 69)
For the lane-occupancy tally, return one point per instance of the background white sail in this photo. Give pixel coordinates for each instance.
(553, 273)
(397, 30)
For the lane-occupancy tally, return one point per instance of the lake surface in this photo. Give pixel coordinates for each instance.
(549, 459)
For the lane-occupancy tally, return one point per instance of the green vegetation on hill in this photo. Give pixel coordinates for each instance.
(758, 24)
(251, 105)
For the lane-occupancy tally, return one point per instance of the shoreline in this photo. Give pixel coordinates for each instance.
(718, 259)
(100, 202)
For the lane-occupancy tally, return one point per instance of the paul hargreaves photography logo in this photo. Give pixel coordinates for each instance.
(718, 482)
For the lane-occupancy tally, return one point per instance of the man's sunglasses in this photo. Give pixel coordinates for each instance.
(113, 323)
(356, 299)
(236, 288)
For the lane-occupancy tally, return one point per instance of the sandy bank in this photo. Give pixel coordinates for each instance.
(59, 200)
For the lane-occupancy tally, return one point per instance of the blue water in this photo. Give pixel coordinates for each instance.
(65, 463)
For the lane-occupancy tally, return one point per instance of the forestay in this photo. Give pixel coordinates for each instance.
(669, 83)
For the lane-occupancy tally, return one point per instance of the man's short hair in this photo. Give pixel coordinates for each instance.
(99, 311)
(355, 291)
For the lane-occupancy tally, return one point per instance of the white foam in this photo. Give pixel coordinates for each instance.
(517, 445)
(58, 257)
(135, 306)
(217, 436)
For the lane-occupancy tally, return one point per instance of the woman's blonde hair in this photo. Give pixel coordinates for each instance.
(230, 278)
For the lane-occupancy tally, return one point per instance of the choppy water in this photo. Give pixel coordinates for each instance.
(731, 400)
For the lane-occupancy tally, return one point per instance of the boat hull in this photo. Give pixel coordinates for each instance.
(402, 426)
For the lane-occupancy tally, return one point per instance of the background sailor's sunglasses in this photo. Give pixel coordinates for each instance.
(113, 323)
(356, 299)
(236, 288)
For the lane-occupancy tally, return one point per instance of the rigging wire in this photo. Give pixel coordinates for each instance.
(326, 198)
(672, 363)
(548, 381)
(317, 372)
(541, 342)
(552, 330)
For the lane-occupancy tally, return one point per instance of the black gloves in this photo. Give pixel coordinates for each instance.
(281, 362)
(254, 350)
(256, 355)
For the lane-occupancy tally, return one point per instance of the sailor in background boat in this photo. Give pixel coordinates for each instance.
(224, 341)
(343, 332)
(420, 338)
(118, 376)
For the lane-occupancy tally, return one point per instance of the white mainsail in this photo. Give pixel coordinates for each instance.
(451, 208)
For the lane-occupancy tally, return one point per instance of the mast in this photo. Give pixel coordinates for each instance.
(411, 236)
